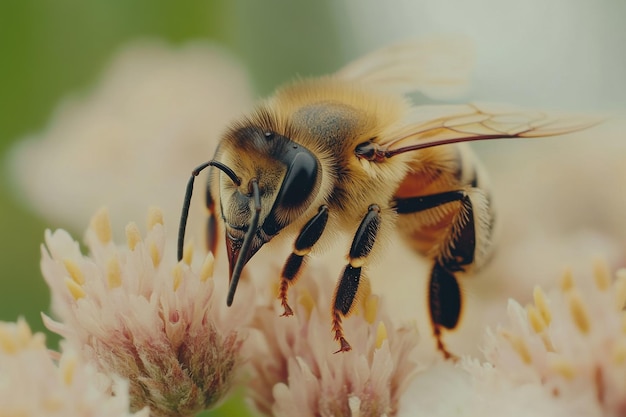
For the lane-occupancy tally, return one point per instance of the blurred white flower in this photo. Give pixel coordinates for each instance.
(294, 369)
(132, 141)
(445, 390)
(33, 385)
(134, 313)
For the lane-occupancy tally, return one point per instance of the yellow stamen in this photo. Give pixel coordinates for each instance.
(535, 319)
(371, 308)
(178, 276)
(114, 273)
(620, 289)
(208, 267)
(541, 303)
(74, 271)
(567, 280)
(24, 334)
(381, 334)
(75, 289)
(547, 342)
(188, 253)
(562, 366)
(518, 345)
(8, 344)
(155, 216)
(18, 336)
(578, 310)
(101, 224)
(155, 255)
(68, 368)
(305, 299)
(601, 274)
(14, 337)
(133, 235)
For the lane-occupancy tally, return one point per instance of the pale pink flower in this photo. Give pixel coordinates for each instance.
(33, 385)
(156, 113)
(445, 389)
(571, 342)
(134, 313)
(294, 369)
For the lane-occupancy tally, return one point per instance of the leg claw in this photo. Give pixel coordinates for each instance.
(288, 311)
(344, 346)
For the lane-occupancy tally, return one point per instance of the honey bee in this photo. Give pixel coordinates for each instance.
(349, 152)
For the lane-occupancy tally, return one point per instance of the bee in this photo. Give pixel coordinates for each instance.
(349, 152)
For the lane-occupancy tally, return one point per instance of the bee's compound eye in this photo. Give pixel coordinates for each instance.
(298, 187)
(365, 150)
(299, 181)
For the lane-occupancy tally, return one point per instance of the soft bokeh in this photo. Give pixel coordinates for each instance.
(565, 54)
(157, 112)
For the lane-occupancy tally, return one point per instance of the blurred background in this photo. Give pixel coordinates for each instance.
(564, 54)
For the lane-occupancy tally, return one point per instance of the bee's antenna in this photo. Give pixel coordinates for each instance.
(187, 201)
(247, 240)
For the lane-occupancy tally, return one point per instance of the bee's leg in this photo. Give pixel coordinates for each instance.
(444, 302)
(212, 227)
(309, 235)
(348, 285)
(455, 253)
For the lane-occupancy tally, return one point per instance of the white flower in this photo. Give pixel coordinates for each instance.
(33, 385)
(572, 343)
(132, 313)
(133, 140)
(295, 371)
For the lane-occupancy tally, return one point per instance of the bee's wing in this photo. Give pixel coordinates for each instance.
(428, 126)
(438, 67)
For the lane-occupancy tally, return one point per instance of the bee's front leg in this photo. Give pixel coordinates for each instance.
(309, 235)
(348, 285)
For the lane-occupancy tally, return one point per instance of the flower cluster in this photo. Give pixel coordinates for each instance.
(568, 347)
(158, 324)
(294, 369)
(33, 384)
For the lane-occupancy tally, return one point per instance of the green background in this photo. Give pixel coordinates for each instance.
(49, 48)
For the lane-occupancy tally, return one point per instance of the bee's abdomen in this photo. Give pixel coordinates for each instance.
(445, 210)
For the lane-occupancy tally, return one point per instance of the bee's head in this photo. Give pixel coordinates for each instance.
(278, 179)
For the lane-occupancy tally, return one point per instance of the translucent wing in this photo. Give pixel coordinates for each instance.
(429, 126)
(437, 67)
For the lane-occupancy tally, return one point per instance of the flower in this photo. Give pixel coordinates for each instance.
(132, 313)
(32, 384)
(132, 141)
(571, 343)
(294, 369)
